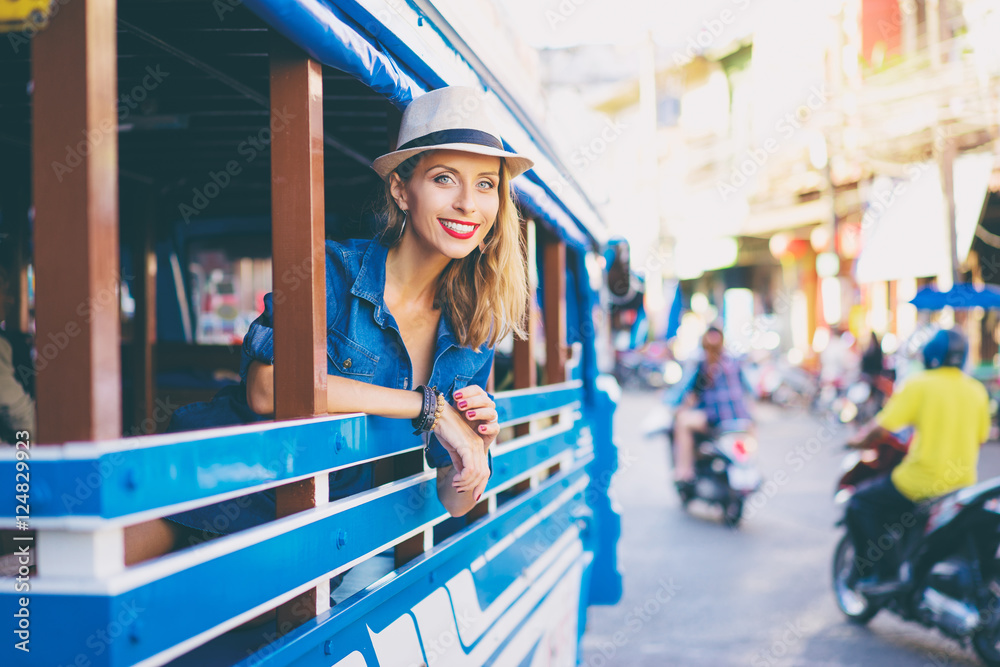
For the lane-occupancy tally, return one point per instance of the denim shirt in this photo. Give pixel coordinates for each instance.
(363, 340)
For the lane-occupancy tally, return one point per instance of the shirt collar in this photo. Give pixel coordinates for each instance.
(370, 283)
(370, 286)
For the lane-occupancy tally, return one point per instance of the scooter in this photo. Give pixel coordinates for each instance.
(862, 400)
(724, 470)
(948, 549)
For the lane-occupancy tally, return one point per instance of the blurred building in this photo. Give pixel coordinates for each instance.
(918, 103)
(814, 163)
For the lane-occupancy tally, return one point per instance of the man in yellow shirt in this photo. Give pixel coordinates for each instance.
(950, 413)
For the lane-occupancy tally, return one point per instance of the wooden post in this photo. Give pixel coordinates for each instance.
(554, 285)
(74, 128)
(298, 234)
(75, 145)
(143, 365)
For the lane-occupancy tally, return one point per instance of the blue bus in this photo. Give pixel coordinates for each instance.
(152, 189)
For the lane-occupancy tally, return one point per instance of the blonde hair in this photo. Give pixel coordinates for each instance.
(485, 294)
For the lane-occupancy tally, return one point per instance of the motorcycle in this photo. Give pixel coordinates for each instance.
(949, 556)
(724, 470)
(862, 400)
(649, 367)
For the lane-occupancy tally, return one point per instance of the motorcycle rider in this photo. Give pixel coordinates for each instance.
(713, 393)
(949, 411)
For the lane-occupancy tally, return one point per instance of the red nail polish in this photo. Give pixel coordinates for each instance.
(458, 394)
(471, 413)
(463, 404)
(483, 428)
(478, 497)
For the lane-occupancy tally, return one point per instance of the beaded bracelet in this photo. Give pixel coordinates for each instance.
(437, 410)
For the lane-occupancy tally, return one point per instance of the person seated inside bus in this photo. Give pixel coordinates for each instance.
(17, 371)
(414, 315)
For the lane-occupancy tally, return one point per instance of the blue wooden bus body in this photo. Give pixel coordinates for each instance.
(510, 588)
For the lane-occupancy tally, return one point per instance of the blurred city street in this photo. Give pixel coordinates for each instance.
(700, 594)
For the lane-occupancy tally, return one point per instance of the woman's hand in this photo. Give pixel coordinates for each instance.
(480, 412)
(467, 451)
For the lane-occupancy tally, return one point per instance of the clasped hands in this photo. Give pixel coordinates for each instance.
(467, 430)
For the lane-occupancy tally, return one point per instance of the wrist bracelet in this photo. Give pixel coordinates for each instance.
(437, 411)
(425, 420)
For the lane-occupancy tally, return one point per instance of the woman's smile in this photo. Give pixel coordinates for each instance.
(459, 228)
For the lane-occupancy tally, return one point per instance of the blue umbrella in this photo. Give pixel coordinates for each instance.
(929, 298)
(962, 295)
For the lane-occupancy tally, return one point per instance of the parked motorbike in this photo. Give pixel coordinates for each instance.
(650, 367)
(949, 557)
(862, 400)
(724, 469)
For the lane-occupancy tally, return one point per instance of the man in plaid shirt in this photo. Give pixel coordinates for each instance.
(715, 393)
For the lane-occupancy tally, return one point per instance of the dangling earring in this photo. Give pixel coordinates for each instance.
(402, 226)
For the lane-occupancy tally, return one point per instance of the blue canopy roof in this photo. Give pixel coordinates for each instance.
(341, 36)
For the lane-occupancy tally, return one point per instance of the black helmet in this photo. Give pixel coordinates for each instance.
(946, 348)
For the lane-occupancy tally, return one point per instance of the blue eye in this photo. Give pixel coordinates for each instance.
(489, 185)
(437, 179)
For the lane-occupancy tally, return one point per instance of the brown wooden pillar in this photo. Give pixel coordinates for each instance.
(75, 168)
(554, 286)
(297, 210)
(140, 231)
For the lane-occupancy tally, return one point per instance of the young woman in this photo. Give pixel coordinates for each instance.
(413, 316)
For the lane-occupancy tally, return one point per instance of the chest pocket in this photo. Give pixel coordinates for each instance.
(461, 381)
(350, 359)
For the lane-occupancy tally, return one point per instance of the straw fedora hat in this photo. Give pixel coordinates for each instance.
(452, 118)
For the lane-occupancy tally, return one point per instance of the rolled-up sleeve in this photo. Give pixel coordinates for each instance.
(258, 344)
(435, 453)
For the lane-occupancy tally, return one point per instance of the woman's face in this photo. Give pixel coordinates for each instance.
(452, 200)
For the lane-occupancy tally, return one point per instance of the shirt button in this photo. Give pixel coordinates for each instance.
(348, 363)
(406, 383)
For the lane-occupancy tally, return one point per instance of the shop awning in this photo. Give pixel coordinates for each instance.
(904, 229)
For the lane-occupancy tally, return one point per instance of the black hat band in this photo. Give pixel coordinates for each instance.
(454, 136)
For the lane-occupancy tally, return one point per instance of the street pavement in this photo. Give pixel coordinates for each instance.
(700, 594)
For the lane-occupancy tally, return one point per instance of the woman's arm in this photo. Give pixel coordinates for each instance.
(459, 484)
(342, 395)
